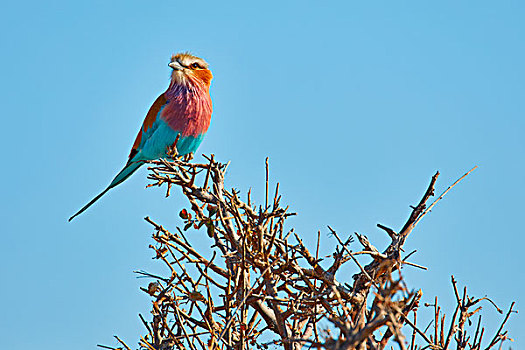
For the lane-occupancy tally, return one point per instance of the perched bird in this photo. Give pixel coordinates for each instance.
(182, 114)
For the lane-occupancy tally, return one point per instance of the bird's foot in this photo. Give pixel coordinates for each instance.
(172, 151)
(188, 157)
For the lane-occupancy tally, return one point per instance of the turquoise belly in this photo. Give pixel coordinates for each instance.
(159, 137)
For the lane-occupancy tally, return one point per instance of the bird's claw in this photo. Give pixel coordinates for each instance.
(188, 157)
(172, 151)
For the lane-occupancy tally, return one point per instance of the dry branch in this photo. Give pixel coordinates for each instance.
(262, 288)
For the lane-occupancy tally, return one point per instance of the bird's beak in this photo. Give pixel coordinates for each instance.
(175, 65)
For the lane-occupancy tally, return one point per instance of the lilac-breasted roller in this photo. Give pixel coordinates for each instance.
(183, 111)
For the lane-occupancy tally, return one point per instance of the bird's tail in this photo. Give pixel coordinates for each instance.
(129, 169)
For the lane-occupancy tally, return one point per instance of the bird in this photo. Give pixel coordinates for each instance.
(179, 117)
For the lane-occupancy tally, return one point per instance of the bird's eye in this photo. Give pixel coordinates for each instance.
(194, 66)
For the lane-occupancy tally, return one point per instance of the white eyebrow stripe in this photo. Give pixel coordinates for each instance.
(186, 60)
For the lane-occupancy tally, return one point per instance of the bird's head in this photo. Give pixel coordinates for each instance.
(189, 70)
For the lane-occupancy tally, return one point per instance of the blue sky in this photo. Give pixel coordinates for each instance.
(357, 104)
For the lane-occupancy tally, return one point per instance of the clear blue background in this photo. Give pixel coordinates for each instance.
(356, 104)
